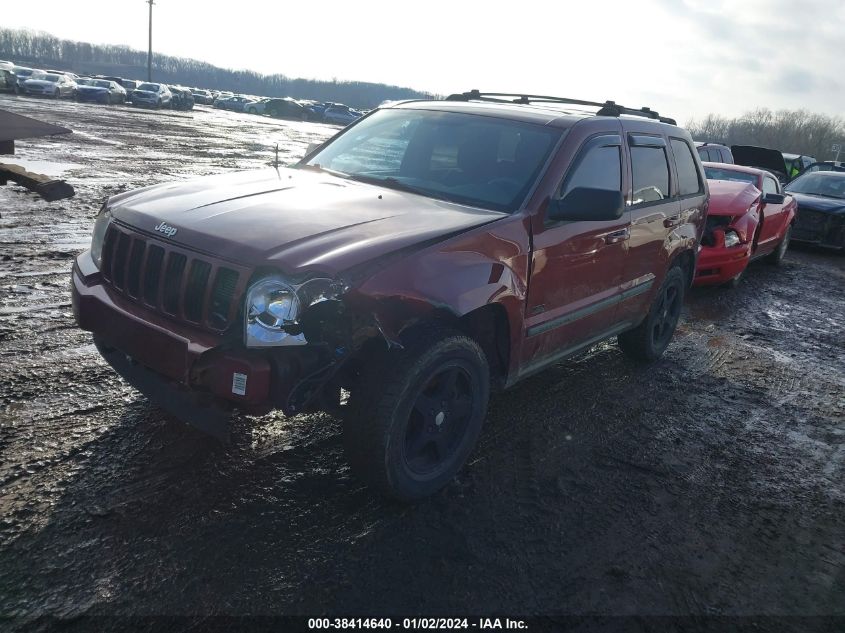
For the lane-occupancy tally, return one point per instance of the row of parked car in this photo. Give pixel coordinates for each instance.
(60, 84)
(760, 200)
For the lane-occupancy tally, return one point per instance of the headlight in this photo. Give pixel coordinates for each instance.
(271, 305)
(99, 234)
(731, 238)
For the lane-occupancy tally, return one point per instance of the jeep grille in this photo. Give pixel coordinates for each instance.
(171, 280)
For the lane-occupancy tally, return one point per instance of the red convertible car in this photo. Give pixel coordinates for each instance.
(749, 218)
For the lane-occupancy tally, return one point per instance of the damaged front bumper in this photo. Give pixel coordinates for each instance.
(719, 264)
(200, 377)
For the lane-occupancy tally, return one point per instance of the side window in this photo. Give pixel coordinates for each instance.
(650, 171)
(598, 166)
(769, 185)
(689, 180)
(703, 154)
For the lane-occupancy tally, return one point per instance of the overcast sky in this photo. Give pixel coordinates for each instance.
(684, 58)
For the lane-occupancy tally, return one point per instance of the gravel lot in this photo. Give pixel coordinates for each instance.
(710, 484)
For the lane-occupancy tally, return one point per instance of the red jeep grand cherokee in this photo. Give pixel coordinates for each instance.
(425, 254)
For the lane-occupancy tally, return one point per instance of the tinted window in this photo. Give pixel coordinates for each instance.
(769, 185)
(651, 174)
(597, 167)
(703, 154)
(689, 181)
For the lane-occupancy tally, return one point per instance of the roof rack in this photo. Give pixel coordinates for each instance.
(608, 108)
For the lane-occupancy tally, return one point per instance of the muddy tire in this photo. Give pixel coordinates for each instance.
(416, 414)
(648, 341)
(775, 258)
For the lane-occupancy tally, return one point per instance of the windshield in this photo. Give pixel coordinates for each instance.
(148, 87)
(53, 78)
(829, 185)
(480, 161)
(22, 72)
(720, 173)
(100, 84)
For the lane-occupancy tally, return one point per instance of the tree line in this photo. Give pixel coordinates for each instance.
(791, 131)
(42, 50)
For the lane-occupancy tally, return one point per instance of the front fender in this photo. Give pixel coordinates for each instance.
(488, 265)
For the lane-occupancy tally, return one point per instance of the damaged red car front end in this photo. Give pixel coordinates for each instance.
(728, 236)
(749, 218)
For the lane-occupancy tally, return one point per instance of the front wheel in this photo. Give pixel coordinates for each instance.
(417, 413)
(649, 339)
(775, 258)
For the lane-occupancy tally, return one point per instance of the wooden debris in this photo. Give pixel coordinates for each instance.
(45, 186)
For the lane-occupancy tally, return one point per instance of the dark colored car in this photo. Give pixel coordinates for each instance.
(285, 109)
(183, 98)
(425, 254)
(821, 208)
(714, 153)
(339, 114)
(101, 91)
(8, 81)
(761, 158)
(749, 218)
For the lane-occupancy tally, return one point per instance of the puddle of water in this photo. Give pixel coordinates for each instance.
(44, 167)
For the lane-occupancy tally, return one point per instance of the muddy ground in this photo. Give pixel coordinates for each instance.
(710, 484)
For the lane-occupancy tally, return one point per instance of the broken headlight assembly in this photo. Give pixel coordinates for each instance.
(101, 224)
(272, 306)
(731, 238)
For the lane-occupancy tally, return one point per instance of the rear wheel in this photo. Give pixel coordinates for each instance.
(417, 413)
(776, 256)
(649, 339)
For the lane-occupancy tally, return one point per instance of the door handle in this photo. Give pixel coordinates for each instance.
(672, 222)
(617, 236)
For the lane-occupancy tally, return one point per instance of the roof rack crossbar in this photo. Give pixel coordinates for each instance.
(608, 108)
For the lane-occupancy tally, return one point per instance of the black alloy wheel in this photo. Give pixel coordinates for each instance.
(439, 420)
(667, 315)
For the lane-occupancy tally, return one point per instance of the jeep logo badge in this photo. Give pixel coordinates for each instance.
(165, 228)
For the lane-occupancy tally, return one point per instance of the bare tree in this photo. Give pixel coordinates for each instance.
(795, 131)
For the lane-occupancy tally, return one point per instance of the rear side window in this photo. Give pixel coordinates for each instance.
(689, 181)
(598, 166)
(651, 174)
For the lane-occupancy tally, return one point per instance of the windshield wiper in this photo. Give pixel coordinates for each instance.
(391, 183)
(323, 170)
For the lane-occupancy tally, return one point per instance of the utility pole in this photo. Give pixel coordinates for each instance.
(150, 49)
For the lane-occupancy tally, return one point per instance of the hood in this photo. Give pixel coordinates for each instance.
(808, 201)
(728, 197)
(294, 219)
(39, 82)
(92, 89)
(144, 93)
(760, 157)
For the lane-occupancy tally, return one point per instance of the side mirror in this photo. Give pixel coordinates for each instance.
(773, 198)
(586, 203)
(312, 147)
